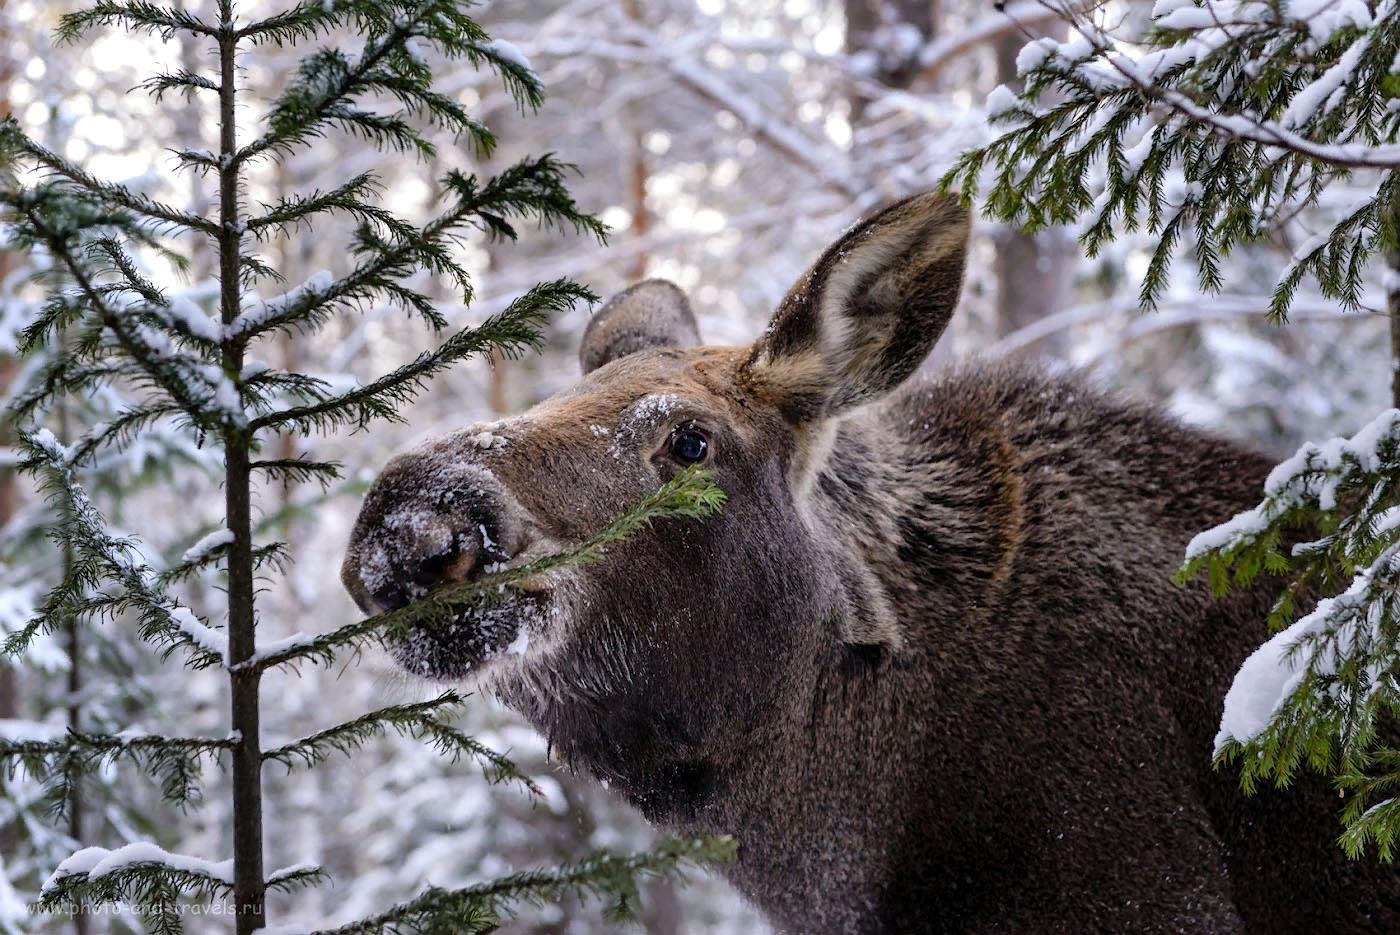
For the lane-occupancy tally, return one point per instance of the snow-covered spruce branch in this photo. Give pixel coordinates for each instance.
(327, 82)
(173, 761)
(152, 880)
(103, 559)
(212, 549)
(202, 391)
(1256, 107)
(14, 141)
(607, 876)
(513, 331)
(1338, 48)
(532, 189)
(419, 721)
(689, 495)
(1315, 693)
(87, 228)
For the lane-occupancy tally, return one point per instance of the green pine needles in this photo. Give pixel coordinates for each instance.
(1217, 125)
(108, 323)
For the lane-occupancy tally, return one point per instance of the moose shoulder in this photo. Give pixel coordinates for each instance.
(927, 664)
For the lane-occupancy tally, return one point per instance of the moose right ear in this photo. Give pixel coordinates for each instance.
(653, 313)
(867, 313)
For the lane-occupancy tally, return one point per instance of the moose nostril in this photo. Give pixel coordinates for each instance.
(433, 568)
(389, 596)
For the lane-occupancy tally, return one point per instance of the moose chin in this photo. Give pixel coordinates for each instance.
(928, 664)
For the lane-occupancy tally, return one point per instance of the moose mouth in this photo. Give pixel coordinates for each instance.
(472, 637)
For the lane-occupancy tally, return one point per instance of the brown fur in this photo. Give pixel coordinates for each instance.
(927, 664)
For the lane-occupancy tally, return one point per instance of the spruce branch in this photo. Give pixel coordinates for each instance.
(299, 470)
(509, 333)
(135, 15)
(532, 189)
(15, 141)
(177, 376)
(152, 881)
(327, 83)
(183, 82)
(1317, 694)
(1199, 131)
(101, 559)
(348, 198)
(306, 20)
(173, 761)
(421, 720)
(688, 495)
(603, 875)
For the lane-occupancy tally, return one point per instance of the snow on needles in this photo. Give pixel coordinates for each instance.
(1274, 671)
(207, 546)
(1313, 472)
(200, 633)
(1338, 627)
(510, 52)
(97, 862)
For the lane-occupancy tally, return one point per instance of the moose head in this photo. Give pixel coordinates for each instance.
(652, 666)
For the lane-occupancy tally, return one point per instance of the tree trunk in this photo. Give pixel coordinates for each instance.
(894, 32)
(248, 885)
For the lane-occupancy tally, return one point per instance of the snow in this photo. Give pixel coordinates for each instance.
(204, 547)
(1034, 54)
(486, 441)
(204, 636)
(1001, 101)
(642, 415)
(1313, 471)
(79, 862)
(1325, 18)
(275, 647)
(1315, 99)
(1274, 671)
(511, 53)
(52, 446)
(1134, 156)
(192, 318)
(1263, 683)
(1363, 448)
(259, 312)
(305, 866)
(98, 862)
(1239, 528)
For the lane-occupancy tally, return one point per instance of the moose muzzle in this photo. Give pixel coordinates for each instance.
(435, 517)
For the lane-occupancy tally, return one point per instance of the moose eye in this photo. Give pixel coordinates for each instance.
(688, 445)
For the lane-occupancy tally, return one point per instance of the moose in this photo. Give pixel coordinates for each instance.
(928, 664)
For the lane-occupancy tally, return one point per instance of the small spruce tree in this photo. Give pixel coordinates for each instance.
(190, 367)
(1219, 124)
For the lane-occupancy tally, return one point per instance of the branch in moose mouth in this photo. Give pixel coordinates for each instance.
(689, 495)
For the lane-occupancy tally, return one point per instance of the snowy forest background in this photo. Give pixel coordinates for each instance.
(724, 143)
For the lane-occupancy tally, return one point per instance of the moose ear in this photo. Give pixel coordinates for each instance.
(653, 313)
(867, 313)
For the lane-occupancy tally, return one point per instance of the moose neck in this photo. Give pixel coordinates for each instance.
(833, 780)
